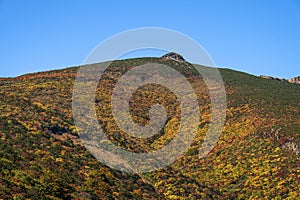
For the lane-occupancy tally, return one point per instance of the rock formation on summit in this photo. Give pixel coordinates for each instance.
(174, 56)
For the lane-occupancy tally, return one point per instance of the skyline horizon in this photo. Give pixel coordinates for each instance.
(259, 38)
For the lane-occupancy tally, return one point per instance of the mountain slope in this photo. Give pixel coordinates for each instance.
(257, 156)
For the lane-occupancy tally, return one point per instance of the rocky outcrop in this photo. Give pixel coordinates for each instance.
(292, 80)
(173, 56)
(295, 80)
(273, 78)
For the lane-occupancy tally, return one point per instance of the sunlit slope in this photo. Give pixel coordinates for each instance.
(257, 155)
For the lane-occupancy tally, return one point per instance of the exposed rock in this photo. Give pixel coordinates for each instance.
(292, 80)
(295, 80)
(174, 56)
(266, 77)
(273, 78)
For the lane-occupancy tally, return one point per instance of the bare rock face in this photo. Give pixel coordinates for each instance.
(173, 56)
(292, 80)
(273, 78)
(295, 80)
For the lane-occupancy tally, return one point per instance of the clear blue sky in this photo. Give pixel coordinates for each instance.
(257, 36)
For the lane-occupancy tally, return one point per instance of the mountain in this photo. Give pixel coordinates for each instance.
(256, 156)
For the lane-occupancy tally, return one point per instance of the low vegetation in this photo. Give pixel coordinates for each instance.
(256, 157)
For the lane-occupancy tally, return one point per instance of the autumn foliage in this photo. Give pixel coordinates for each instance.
(256, 157)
